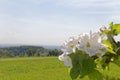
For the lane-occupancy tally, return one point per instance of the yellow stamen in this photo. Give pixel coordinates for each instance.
(88, 44)
(71, 45)
(102, 49)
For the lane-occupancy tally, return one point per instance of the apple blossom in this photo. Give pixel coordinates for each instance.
(91, 44)
(67, 60)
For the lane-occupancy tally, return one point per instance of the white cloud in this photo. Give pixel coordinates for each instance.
(27, 23)
(115, 18)
(102, 3)
(92, 6)
(49, 30)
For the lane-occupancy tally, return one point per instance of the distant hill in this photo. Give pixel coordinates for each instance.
(18, 45)
(8, 45)
(52, 47)
(28, 50)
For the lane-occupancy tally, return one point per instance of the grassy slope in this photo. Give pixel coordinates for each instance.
(36, 68)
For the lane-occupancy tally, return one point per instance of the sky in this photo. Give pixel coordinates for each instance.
(51, 22)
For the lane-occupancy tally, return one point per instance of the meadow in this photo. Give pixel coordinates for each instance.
(33, 68)
(36, 68)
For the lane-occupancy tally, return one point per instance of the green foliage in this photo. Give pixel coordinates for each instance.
(95, 75)
(109, 45)
(110, 33)
(115, 28)
(77, 66)
(88, 65)
(28, 51)
(54, 52)
(94, 67)
(83, 65)
(117, 61)
(74, 72)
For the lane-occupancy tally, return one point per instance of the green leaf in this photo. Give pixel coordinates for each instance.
(117, 61)
(111, 51)
(116, 29)
(100, 62)
(95, 75)
(111, 25)
(88, 65)
(109, 45)
(82, 63)
(74, 72)
(105, 32)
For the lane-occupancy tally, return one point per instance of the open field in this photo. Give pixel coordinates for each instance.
(36, 68)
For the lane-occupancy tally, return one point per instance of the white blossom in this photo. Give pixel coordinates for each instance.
(117, 38)
(91, 44)
(70, 45)
(103, 37)
(67, 60)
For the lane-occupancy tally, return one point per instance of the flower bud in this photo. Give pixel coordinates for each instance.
(102, 29)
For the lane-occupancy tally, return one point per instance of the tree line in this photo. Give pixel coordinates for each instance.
(26, 51)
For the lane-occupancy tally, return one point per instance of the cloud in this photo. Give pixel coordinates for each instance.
(92, 6)
(115, 18)
(85, 3)
(37, 30)
(37, 21)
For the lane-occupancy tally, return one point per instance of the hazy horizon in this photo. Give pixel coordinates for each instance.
(50, 22)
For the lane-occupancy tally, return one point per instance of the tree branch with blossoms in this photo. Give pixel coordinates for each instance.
(90, 53)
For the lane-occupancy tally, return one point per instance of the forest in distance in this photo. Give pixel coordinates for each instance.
(28, 51)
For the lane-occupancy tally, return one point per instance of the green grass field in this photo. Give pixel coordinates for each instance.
(36, 68)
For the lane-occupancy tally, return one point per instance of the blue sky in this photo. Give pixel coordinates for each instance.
(50, 22)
